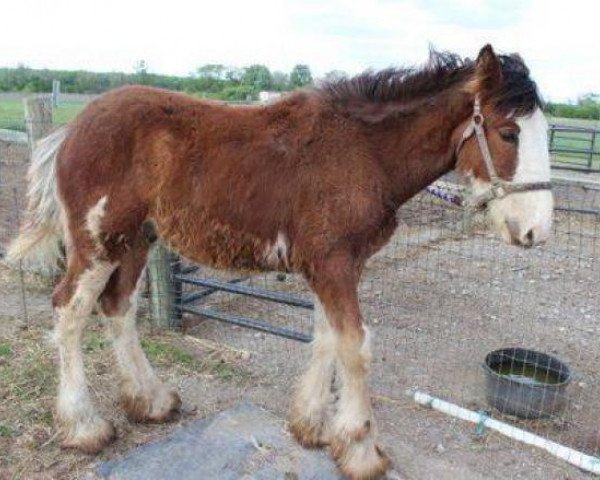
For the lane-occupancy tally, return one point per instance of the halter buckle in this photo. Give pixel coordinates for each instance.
(499, 191)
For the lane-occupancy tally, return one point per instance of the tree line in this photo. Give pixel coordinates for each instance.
(587, 106)
(211, 80)
(216, 81)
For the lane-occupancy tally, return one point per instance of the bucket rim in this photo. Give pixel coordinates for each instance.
(564, 368)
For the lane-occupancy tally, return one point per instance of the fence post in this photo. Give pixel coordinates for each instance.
(38, 118)
(38, 124)
(163, 295)
(592, 150)
(55, 92)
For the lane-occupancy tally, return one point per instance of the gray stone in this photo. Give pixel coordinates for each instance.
(246, 442)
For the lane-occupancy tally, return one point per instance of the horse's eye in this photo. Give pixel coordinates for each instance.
(510, 136)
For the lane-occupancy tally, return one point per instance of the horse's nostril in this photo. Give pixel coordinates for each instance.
(529, 236)
(528, 240)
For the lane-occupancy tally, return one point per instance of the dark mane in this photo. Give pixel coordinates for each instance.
(401, 84)
(517, 94)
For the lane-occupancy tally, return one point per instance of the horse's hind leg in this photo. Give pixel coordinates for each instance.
(143, 396)
(73, 299)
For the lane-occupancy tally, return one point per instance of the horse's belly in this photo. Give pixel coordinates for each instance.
(213, 243)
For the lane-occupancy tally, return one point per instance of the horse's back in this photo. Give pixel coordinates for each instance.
(202, 171)
(227, 186)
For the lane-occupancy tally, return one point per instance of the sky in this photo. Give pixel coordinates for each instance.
(558, 40)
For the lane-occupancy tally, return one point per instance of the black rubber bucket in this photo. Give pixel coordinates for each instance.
(526, 383)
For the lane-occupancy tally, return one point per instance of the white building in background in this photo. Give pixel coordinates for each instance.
(267, 97)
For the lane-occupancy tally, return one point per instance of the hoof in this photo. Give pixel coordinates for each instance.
(308, 435)
(163, 407)
(360, 460)
(90, 437)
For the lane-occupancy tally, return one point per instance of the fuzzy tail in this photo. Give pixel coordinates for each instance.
(41, 230)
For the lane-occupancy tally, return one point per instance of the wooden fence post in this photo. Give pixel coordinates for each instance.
(38, 118)
(163, 294)
(38, 124)
(55, 92)
(592, 150)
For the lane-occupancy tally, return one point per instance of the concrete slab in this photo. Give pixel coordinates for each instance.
(246, 442)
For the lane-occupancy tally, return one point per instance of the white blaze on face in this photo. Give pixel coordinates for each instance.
(527, 217)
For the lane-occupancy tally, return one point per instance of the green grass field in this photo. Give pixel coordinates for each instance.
(574, 122)
(12, 113)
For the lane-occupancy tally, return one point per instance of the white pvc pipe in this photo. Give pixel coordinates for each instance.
(574, 457)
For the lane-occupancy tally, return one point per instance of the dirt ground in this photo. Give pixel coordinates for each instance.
(438, 298)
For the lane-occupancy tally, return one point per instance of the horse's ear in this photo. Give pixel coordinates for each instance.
(488, 72)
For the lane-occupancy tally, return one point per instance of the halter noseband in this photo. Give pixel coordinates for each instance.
(499, 188)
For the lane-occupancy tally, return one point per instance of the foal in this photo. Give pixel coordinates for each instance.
(310, 184)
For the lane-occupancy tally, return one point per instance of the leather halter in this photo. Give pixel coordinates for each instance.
(499, 188)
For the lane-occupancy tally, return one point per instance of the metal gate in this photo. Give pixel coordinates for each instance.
(168, 275)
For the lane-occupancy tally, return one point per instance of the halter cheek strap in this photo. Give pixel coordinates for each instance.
(499, 188)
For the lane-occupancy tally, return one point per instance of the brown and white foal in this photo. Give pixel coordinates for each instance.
(310, 184)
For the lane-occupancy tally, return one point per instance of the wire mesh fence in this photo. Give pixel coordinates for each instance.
(443, 294)
(14, 162)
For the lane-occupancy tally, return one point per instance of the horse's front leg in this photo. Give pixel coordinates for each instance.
(313, 399)
(351, 431)
(353, 428)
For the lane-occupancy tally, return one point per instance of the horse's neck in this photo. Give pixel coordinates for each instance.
(417, 149)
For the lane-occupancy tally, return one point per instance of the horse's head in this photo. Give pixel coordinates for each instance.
(503, 149)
